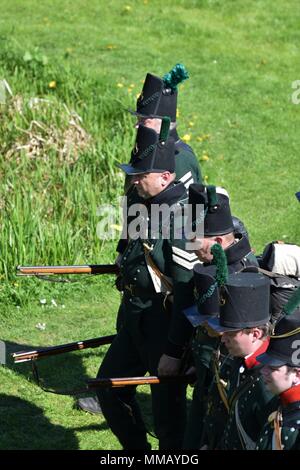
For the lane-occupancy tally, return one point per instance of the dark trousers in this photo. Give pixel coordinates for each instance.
(135, 351)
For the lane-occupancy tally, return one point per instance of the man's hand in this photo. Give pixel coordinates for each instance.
(168, 365)
(203, 249)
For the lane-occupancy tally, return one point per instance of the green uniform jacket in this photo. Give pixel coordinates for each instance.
(290, 430)
(168, 254)
(250, 403)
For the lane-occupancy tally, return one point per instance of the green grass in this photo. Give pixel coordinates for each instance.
(236, 109)
(33, 419)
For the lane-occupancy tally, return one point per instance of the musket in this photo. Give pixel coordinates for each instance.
(84, 269)
(148, 380)
(24, 356)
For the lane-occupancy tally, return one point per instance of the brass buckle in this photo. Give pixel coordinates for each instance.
(130, 287)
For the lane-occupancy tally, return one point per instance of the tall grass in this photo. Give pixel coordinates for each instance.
(61, 135)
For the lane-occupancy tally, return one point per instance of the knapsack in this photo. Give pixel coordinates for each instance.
(281, 263)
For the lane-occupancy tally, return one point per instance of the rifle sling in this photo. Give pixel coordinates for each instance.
(163, 278)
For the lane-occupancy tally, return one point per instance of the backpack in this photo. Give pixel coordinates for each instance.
(281, 263)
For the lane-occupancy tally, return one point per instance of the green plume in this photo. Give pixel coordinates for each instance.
(164, 129)
(177, 75)
(212, 196)
(292, 304)
(220, 261)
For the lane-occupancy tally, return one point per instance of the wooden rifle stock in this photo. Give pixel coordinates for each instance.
(84, 269)
(148, 380)
(24, 356)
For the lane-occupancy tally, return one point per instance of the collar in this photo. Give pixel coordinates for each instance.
(238, 250)
(290, 396)
(173, 133)
(170, 195)
(250, 360)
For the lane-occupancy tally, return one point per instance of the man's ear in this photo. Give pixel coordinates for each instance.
(219, 240)
(165, 176)
(257, 333)
(297, 372)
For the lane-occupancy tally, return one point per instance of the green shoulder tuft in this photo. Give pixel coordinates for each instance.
(220, 261)
(177, 75)
(164, 129)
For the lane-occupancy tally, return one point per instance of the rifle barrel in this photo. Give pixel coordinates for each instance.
(83, 269)
(149, 380)
(24, 356)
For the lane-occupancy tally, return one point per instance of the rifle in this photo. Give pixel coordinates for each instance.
(85, 269)
(24, 356)
(149, 380)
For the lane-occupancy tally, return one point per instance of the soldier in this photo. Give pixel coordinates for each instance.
(281, 374)
(244, 325)
(158, 99)
(150, 265)
(218, 228)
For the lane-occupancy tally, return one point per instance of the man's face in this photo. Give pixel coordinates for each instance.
(148, 184)
(151, 123)
(278, 379)
(239, 343)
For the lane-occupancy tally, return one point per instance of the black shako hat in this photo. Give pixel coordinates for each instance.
(208, 286)
(159, 95)
(215, 211)
(206, 293)
(284, 343)
(244, 304)
(285, 340)
(151, 154)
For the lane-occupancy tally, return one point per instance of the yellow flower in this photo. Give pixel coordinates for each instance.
(200, 139)
(177, 113)
(52, 84)
(120, 85)
(191, 123)
(111, 46)
(186, 137)
(116, 227)
(127, 8)
(205, 158)
(205, 179)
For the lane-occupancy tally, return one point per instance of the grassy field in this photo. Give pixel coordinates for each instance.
(73, 68)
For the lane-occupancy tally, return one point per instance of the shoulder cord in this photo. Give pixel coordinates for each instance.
(166, 283)
(276, 440)
(219, 382)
